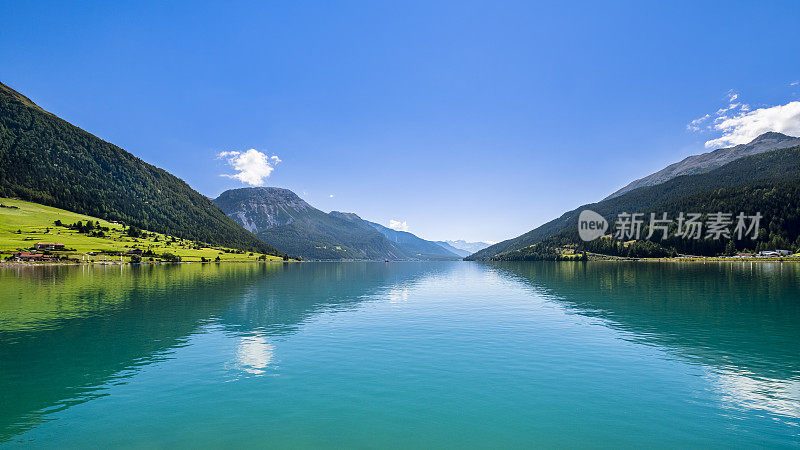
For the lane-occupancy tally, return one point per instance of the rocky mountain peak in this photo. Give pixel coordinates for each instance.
(262, 208)
(353, 217)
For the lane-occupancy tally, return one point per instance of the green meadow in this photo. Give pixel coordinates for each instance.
(22, 224)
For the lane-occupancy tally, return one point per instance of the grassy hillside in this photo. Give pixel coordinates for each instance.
(23, 223)
(46, 160)
(768, 183)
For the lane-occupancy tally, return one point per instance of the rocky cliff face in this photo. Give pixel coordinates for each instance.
(259, 209)
(709, 161)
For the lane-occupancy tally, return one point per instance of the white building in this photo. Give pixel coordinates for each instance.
(774, 253)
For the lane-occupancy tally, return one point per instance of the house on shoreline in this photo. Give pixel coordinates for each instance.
(774, 253)
(28, 256)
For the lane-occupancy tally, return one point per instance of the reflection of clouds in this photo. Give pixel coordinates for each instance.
(749, 391)
(397, 294)
(254, 354)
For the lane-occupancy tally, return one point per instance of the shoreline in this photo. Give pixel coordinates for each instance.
(4, 264)
(703, 259)
(11, 264)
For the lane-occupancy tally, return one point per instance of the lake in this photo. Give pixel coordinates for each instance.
(398, 355)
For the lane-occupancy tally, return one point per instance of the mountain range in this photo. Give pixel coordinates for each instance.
(707, 162)
(415, 247)
(47, 160)
(464, 246)
(457, 251)
(283, 219)
(759, 178)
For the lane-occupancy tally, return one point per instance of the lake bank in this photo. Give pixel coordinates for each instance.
(592, 258)
(599, 257)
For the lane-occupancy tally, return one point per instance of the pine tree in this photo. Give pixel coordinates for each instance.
(730, 248)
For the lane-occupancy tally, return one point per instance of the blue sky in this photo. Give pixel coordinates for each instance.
(466, 120)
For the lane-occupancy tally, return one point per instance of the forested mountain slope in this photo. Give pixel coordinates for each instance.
(414, 245)
(767, 182)
(47, 160)
(283, 219)
(709, 161)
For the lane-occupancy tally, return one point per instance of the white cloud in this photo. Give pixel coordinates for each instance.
(740, 124)
(748, 125)
(730, 107)
(252, 167)
(695, 124)
(397, 225)
(719, 115)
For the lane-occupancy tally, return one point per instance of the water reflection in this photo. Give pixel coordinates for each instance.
(80, 328)
(738, 321)
(254, 353)
(69, 333)
(747, 390)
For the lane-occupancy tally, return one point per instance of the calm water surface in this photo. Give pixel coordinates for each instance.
(450, 354)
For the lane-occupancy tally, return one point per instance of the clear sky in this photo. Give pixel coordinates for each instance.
(466, 120)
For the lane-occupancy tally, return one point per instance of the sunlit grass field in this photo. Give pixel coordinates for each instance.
(29, 223)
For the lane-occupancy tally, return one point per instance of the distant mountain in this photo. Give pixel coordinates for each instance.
(711, 160)
(47, 160)
(767, 182)
(415, 247)
(460, 252)
(471, 247)
(280, 217)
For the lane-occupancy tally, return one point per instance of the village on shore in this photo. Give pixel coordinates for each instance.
(56, 252)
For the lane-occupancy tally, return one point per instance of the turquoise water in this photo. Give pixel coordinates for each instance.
(375, 355)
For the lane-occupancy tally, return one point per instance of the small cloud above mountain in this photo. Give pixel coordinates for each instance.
(740, 125)
(708, 122)
(397, 225)
(746, 126)
(252, 166)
